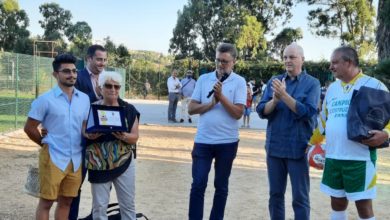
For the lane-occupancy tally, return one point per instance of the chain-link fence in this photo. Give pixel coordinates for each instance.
(22, 79)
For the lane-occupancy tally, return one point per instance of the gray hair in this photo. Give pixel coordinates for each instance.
(109, 75)
(227, 48)
(348, 54)
(297, 47)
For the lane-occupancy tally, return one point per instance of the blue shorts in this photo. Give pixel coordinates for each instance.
(247, 111)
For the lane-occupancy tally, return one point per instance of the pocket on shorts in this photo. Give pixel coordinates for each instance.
(44, 156)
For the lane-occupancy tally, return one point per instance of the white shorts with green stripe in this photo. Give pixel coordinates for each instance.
(355, 180)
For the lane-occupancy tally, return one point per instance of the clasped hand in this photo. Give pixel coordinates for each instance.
(279, 89)
(217, 92)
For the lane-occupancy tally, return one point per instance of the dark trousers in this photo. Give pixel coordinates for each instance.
(74, 207)
(298, 170)
(173, 98)
(202, 157)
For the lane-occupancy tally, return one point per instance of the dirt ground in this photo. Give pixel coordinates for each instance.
(163, 178)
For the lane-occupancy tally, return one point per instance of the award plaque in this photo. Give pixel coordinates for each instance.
(106, 119)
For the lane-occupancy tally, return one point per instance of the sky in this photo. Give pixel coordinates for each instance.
(148, 24)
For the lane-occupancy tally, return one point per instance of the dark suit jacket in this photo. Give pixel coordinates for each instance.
(84, 84)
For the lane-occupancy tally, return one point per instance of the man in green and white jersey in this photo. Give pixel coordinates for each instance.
(349, 173)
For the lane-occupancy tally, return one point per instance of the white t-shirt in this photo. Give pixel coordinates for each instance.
(217, 126)
(335, 109)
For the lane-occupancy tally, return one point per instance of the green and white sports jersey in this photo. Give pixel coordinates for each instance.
(334, 117)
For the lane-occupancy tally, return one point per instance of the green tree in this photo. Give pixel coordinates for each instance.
(283, 39)
(183, 42)
(383, 31)
(13, 26)
(80, 36)
(251, 37)
(203, 24)
(56, 21)
(352, 21)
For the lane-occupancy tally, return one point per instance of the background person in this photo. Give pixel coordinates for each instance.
(173, 84)
(217, 134)
(146, 88)
(117, 165)
(247, 108)
(60, 156)
(187, 88)
(256, 93)
(290, 104)
(87, 80)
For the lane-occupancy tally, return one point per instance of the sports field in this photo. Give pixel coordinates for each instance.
(163, 178)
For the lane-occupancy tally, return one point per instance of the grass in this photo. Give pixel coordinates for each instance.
(8, 122)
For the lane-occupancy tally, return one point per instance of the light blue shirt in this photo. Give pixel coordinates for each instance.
(63, 120)
(187, 86)
(217, 126)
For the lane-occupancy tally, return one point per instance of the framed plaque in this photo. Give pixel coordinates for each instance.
(106, 119)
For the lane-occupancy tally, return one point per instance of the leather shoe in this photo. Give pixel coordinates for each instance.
(181, 120)
(189, 120)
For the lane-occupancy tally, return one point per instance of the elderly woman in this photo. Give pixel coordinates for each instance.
(109, 157)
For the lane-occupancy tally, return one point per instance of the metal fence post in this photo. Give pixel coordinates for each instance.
(16, 92)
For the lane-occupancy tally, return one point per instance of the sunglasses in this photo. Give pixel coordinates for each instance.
(68, 71)
(109, 86)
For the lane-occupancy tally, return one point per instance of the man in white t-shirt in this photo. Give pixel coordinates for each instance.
(217, 134)
(350, 171)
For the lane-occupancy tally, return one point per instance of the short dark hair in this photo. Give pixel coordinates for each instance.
(63, 58)
(93, 48)
(227, 48)
(348, 53)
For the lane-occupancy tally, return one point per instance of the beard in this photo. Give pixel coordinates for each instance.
(68, 83)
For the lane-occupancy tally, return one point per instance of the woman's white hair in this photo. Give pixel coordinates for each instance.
(109, 75)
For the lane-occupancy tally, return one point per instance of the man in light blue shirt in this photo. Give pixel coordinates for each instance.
(61, 111)
(217, 134)
(187, 88)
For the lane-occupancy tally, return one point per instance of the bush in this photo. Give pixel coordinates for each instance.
(381, 71)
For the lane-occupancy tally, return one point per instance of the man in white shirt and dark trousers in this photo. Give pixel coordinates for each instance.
(187, 88)
(217, 135)
(174, 86)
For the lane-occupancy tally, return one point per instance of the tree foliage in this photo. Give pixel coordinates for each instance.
(201, 25)
(383, 31)
(352, 21)
(283, 39)
(80, 35)
(13, 27)
(56, 21)
(251, 37)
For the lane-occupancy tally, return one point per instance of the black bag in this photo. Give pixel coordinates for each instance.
(114, 213)
(369, 110)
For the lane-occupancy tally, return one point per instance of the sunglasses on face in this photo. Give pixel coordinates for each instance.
(109, 86)
(68, 71)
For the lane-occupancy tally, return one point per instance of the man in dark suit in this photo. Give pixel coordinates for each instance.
(87, 82)
(88, 77)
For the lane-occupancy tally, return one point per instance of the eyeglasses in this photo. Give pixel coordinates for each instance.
(109, 86)
(224, 62)
(68, 71)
